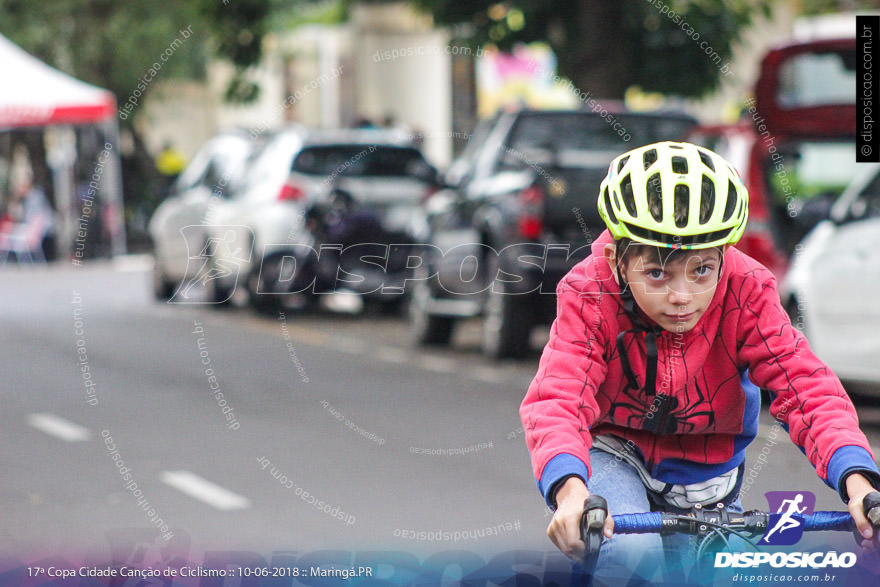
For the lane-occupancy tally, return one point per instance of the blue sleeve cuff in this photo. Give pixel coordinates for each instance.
(850, 459)
(561, 466)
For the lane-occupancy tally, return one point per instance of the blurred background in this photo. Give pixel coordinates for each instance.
(169, 172)
(431, 68)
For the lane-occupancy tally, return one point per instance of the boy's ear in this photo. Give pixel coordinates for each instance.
(610, 254)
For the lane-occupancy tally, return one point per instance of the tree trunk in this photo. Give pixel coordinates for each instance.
(596, 55)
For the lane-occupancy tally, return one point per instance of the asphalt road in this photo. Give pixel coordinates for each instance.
(332, 432)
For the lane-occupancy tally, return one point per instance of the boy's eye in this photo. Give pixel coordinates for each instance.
(654, 273)
(704, 270)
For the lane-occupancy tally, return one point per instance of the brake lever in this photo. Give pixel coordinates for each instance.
(871, 507)
(593, 522)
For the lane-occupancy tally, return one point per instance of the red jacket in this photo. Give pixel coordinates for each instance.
(580, 388)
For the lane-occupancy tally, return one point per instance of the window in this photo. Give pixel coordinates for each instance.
(818, 79)
(585, 139)
(359, 160)
(867, 205)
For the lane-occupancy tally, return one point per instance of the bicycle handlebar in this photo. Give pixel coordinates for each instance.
(752, 521)
(703, 521)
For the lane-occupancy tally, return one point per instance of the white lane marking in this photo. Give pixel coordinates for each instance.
(58, 427)
(439, 364)
(391, 355)
(204, 490)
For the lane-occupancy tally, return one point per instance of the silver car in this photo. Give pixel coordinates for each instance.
(295, 170)
(177, 227)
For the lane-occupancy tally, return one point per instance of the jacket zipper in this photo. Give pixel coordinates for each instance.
(663, 409)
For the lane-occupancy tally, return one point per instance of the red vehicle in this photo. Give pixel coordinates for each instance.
(794, 144)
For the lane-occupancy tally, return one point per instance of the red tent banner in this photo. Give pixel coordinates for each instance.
(35, 94)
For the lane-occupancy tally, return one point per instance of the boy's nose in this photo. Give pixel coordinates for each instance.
(679, 294)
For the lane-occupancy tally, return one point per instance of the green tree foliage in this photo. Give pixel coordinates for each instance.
(675, 47)
(811, 7)
(114, 43)
(117, 44)
(110, 43)
(238, 28)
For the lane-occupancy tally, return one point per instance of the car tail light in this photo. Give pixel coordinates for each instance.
(290, 193)
(530, 223)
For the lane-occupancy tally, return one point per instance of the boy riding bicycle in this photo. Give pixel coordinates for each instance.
(647, 391)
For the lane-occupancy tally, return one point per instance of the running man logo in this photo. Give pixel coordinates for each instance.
(214, 263)
(786, 526)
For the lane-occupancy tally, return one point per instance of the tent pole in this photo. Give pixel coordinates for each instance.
(113, 189)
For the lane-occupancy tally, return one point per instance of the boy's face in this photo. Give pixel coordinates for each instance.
(675, 294)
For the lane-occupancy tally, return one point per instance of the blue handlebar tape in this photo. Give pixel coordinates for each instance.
(637, 523)
(828, 521)
(651, 522)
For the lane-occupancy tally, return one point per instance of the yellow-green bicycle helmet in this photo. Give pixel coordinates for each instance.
(644, 187)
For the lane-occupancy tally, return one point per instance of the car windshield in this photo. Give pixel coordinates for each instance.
(867, 205)
(810, 169)
(818, 79)
(804, 179)
(358, 160)
(575, 136)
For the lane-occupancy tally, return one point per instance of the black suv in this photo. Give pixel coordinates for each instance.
(518, 213)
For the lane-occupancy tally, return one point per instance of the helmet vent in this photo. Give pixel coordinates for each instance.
(626, 193)
(679, 165)
(707, 161)
(707, 200)
(654, 195)
(682, 205)
(649, 158)
(608, 208)
(730, 207)
(621, 163)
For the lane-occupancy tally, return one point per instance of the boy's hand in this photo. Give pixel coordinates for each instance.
(565, 527)
(857, 487)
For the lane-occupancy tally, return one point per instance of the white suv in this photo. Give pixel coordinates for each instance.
(297, 168)
(178, 226)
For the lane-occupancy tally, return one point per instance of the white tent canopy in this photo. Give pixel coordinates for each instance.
(34, 94)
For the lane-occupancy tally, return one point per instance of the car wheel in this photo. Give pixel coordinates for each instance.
(220, 295)
(263, 278)
(507, 325)
(163, 288)
(217, 293)
(427, 328)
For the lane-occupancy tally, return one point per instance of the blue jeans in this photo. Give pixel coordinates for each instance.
(636, 559)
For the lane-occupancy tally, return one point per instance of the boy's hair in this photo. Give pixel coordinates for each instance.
(627, 249)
